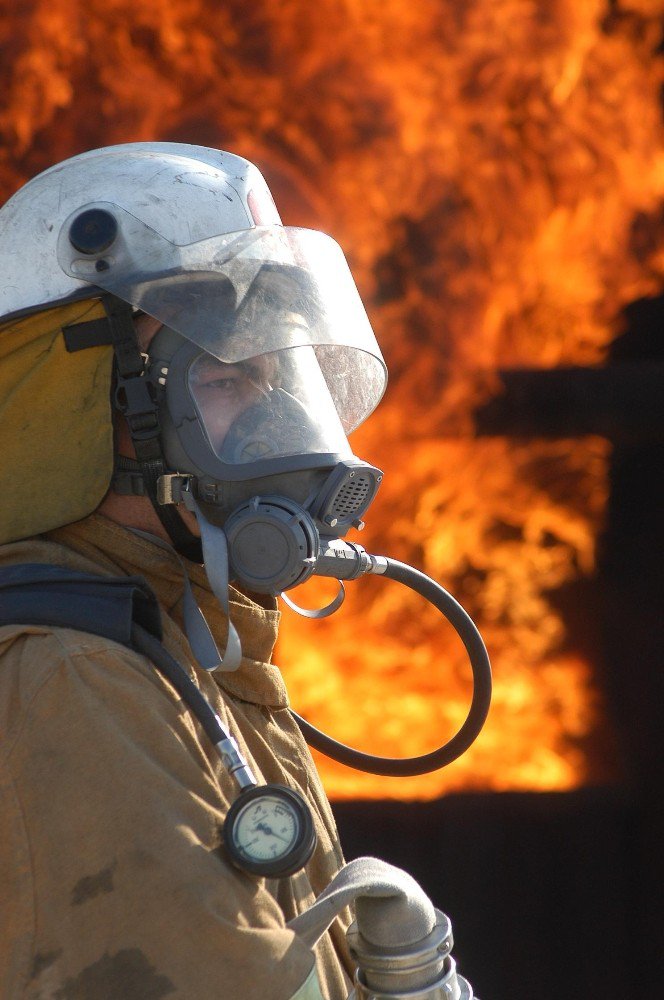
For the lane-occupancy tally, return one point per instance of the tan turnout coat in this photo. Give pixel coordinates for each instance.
(113, 883)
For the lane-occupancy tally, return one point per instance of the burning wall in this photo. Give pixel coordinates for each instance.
(494, 170)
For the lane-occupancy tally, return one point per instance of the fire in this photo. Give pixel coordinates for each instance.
(494, 170)
(389, 674)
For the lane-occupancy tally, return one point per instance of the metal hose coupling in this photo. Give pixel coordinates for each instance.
(423, 970)
(400, 942)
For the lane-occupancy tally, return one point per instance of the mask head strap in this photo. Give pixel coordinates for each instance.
(134, 398)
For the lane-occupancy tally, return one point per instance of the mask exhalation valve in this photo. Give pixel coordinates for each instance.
(346, 495)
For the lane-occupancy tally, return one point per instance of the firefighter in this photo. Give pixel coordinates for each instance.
(168, 352)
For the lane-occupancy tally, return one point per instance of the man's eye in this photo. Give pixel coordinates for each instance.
(221, 384)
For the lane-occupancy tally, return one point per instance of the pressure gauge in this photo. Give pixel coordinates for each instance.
(269, 831)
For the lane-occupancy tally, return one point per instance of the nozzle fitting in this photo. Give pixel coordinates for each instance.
(424, 970)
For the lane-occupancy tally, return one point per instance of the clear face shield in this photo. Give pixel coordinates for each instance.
(278, 362)
(267, 292)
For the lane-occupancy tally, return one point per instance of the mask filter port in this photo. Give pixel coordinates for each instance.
(272, 544)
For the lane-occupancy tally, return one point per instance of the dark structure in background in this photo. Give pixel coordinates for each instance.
(535, 885)
(559, 896)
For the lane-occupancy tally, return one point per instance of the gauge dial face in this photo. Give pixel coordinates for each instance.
(269, 831)
(266, 828)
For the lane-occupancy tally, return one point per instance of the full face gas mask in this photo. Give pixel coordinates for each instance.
(256, 422)
(265, 362)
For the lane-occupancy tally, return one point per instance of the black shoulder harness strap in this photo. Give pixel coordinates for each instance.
(123, 609)
(39, 594)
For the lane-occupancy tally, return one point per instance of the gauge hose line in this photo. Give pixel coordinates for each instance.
(479, 662)
(150, 647)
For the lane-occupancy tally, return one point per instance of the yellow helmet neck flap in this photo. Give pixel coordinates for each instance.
(56, 430)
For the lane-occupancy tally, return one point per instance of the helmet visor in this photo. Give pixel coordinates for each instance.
(242, 295)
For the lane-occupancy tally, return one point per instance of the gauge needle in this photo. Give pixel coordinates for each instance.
(264, 828)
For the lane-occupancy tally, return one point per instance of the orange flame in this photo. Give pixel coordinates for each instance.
(495, 171)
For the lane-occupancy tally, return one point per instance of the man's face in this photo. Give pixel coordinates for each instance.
(223, 391)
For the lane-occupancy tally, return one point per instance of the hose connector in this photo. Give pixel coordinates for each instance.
(400, 941)
(342, 560)
(424, 970)
(235, 763)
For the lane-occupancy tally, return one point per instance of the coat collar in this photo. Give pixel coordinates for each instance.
(99, 545)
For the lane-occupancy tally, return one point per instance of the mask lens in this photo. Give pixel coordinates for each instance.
(272, 406)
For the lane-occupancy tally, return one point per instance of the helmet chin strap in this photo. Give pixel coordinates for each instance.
(134, 399)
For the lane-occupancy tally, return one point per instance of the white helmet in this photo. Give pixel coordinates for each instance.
(185, 193)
